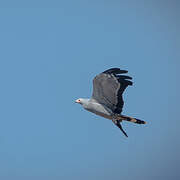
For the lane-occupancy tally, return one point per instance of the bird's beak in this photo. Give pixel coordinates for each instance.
(76, 101)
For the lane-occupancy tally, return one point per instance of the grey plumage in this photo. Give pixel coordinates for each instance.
(107, 98)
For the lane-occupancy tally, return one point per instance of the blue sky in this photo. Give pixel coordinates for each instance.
(50, 52)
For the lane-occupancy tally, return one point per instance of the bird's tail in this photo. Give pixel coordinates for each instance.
(134, 120)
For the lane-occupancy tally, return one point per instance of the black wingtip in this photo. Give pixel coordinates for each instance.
(115, 71)
(123, 77)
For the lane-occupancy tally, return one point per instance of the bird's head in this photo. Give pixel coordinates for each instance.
(80, 101)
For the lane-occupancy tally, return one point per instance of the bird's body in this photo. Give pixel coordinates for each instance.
(98, 109)
(107, 100)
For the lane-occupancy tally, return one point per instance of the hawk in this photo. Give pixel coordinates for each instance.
(107, 97)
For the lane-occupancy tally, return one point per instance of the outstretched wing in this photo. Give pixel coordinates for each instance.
(108, 88)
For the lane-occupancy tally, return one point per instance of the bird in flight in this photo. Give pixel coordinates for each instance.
(107, 98)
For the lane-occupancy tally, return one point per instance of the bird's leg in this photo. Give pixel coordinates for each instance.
(118, 124)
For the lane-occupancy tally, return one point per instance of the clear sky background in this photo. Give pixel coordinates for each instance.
(49, 53)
